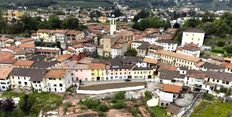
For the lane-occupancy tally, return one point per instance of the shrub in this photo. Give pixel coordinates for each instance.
(90, 103)
(148, 95)
(119, 104)
(120, 95)
(134, 111)
(103, 108)
(208, 96)
(220, 44)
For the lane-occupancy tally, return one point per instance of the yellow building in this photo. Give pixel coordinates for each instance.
(97, 71)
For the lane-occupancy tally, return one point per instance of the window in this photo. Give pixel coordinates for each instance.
(25, 83)
(61, 85)
(19, 82)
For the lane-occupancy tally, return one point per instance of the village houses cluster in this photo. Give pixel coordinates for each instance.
(53, 60)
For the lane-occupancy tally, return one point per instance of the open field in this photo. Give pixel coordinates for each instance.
(214, 108)
(112, 86)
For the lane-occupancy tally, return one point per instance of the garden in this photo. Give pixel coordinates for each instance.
(31, 104)
(212, 107)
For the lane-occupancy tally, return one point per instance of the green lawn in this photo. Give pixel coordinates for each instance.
(159, 112)
(217, 50)
(212, 109)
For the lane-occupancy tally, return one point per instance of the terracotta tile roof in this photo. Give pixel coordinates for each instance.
(78, 46)
(97, 66)
(196, 74)
(47, 50)
(73, 32)
(228, 65)
(44, 31)
(191, 47)
(149, 60)
(59, 31)
(5, 71)
(8, 61)
(64, 57)
(6, 55)
(24, 40)
(4, 39)
(23, 63)
(171, 88)
(164, 66)
(116, 46)
(27, 45)
(55, 73)
(178, 55)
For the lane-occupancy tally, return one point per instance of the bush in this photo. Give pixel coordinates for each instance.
(134, 111)
(120, 95)
(148, 95)
(90, 103)
(119, 104)
(207, 96)
(103, 108)
(220, 44)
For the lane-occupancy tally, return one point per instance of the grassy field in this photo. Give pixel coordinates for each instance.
(159, 112)
(212, 109)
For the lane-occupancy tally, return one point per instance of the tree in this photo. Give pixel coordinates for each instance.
(95, 13)
(117, 13)
(227, 17)
(131, 52)
(7, 105)
(228, 49)
(192, 23)
(29, 23)
(54, 22)
(26, 102)
(208, 17)
(144, 13)
(222, 29)
(148, 95)
(70, 23)
(151, 22)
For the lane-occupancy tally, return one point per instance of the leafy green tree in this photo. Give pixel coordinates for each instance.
(208, 17)
(151, 22)
(192, 23)
(29, 23)
(144, 13)
(228, 50)
(148, 95)
(117, 13)
(26, 102)
(70, 23)
(54, 22)
(227, 17)
(222, 29)
(131, 52)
